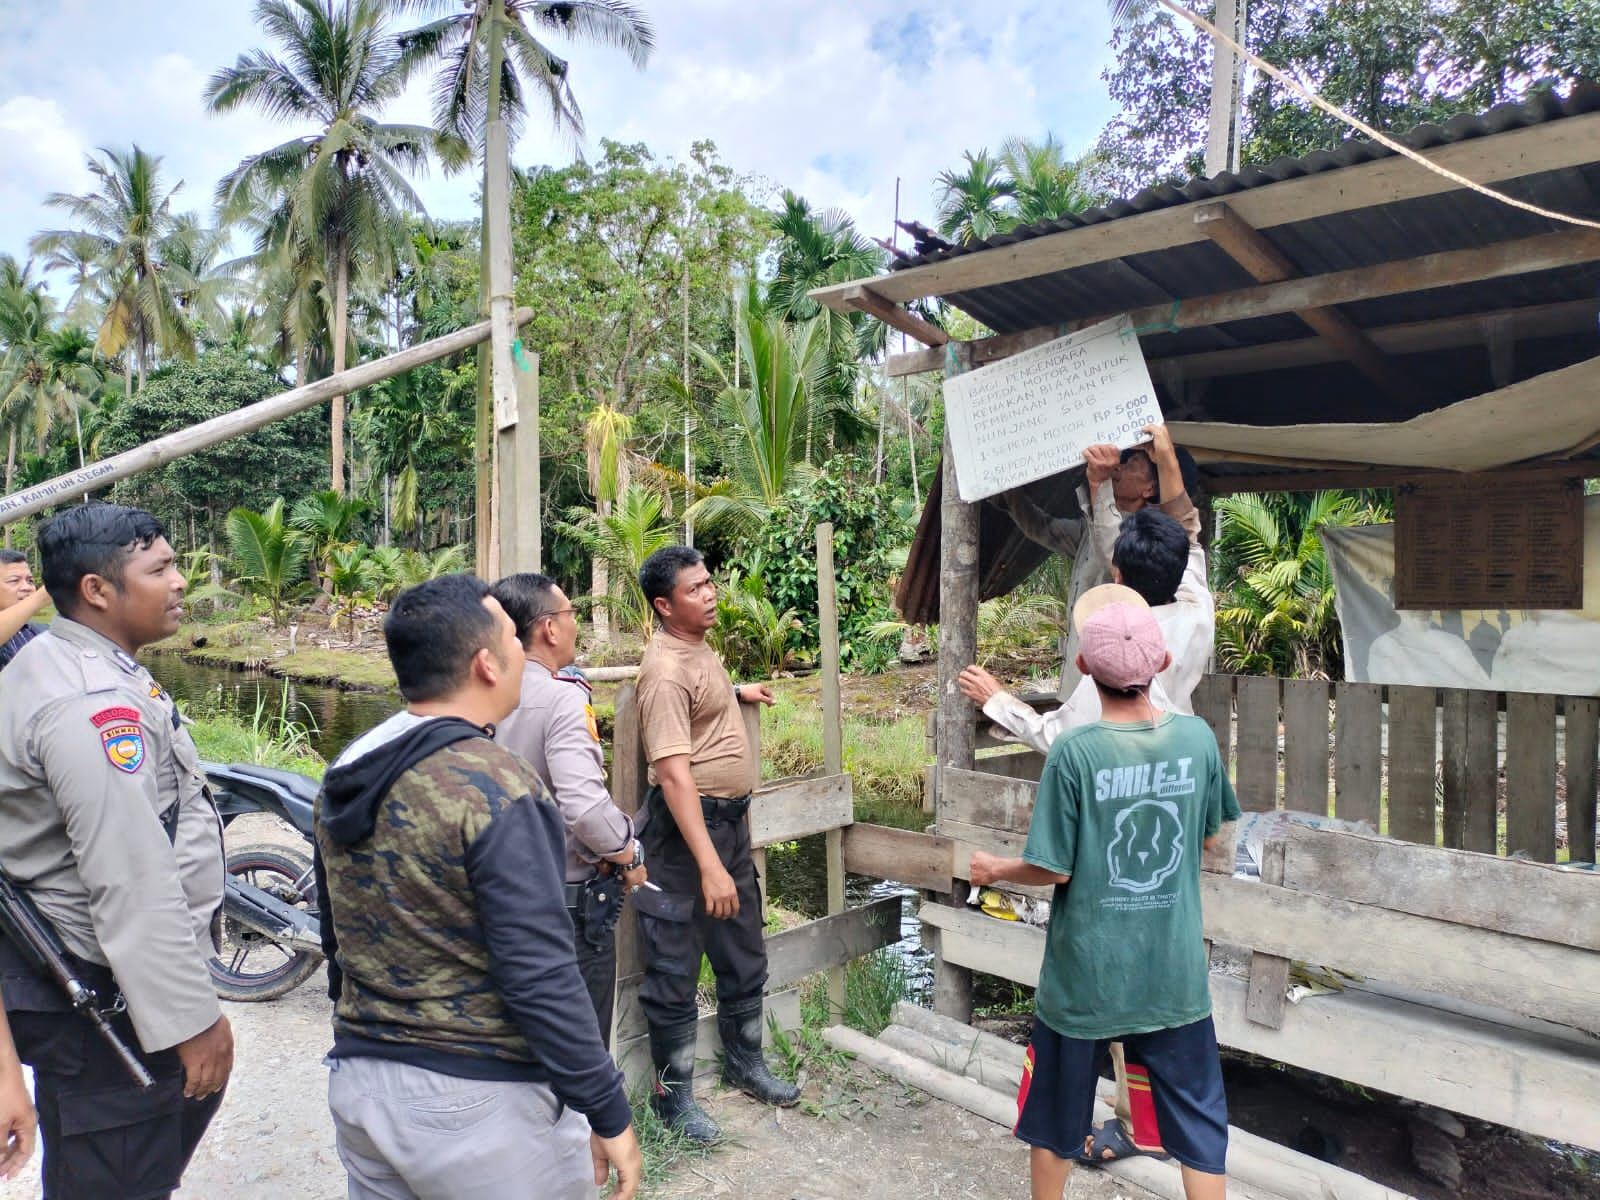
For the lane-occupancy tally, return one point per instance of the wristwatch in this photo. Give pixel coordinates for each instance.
(638, 857)
(737, 695)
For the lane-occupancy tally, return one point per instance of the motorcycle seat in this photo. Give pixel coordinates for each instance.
(290, 792)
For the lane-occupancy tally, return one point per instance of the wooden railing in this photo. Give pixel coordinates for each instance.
(1474, 978)
(1420, 764)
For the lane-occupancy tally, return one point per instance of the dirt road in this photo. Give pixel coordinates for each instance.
(273, 1139)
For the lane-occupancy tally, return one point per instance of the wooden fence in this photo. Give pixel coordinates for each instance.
(1474, 978)
(1421, 764)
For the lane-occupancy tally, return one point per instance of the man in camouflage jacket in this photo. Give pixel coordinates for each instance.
(466, 1062)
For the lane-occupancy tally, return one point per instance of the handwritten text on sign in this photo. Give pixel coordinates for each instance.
(1032, 415)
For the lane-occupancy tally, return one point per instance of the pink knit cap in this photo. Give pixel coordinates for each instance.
(1122, 646)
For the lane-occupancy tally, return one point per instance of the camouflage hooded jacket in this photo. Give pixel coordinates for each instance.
(440, 860)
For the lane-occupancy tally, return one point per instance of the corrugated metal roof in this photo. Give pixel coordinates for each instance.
(1537, 110)
(1330, 391)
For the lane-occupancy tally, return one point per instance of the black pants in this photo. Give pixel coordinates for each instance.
(598, 966)
(675, 929)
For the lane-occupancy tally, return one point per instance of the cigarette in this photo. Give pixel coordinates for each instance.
(654, 887)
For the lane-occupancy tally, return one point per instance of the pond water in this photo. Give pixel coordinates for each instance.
(334, 717)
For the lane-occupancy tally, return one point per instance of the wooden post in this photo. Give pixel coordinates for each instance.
(832, 737)
(752, 728)
(248, 419)
(958, 634)
(627, 791)
(517, 469)
(497, 208)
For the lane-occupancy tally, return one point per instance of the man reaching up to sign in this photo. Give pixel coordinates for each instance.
(1117, 484)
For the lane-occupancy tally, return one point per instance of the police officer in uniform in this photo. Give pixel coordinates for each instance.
(697, 840)
(554, 728)
(106, 823)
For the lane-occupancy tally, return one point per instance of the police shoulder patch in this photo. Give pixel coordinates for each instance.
(121, 737)
(594, 726)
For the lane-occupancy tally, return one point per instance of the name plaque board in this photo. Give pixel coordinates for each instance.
(1032, 415)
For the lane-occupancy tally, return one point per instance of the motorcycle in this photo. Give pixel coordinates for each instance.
(271, 936)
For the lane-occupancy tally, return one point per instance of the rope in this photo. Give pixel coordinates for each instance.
(1361, 126)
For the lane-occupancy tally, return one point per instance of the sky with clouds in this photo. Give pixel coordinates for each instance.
(833, 98)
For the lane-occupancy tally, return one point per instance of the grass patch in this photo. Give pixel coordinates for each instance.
(269, 737)
(873, 985)
(888, 760)
(665, 1149)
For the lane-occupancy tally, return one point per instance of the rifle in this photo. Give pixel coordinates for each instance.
(38, 942)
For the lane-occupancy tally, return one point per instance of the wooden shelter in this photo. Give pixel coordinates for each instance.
(1346, 319)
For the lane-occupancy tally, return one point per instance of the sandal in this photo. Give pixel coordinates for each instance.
(1108, 1143)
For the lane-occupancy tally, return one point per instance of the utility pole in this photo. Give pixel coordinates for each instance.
(1227, 91)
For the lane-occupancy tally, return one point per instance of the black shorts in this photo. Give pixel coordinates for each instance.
(1055, 1107)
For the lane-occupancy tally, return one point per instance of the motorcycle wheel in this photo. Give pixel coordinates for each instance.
(250, 965)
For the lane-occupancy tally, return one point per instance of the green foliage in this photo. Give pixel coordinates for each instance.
(751, 636)
(273, 736)
(868, 540)
(287, 457)
(630, 533)
(1020, 624)
(395, 569)
(1275, 602)
(1028, 182)
(1392, 63)
(271, 555)
(888, 759)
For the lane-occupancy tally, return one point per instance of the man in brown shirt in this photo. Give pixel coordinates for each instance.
(697, 842)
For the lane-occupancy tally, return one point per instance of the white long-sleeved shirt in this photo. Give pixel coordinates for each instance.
(1188, 624)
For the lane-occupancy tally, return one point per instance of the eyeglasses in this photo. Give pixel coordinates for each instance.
(554, 613)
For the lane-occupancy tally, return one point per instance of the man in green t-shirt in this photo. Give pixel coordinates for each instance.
(1125, 807)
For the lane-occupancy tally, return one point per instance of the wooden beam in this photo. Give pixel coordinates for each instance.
(788, 809)
(1550, 146)
(1383, 477)
(1508, 895)
(833, 941)
(863, 299)
(1410, 337)
(1250, 248)
(1538, 979)
(919, 860)
(1478, 1068)
(248, 419)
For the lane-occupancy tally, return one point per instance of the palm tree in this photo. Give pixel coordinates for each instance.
(975, 204)
(46, 374)
(328, 521)
(605, 451)
(479, 39)
(342, 188)
(1045, 183)
(271, 555)
(1275, 600)
(126, 225)
(402, 422)
(489, 54)
(633, 531)
(766, 427)
(78, 257)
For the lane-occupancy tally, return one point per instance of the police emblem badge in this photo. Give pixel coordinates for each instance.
(121, 737)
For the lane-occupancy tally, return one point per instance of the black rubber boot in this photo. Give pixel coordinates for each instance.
(672, 1053)
(743, 1065)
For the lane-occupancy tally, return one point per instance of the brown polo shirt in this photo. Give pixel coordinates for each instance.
(687, 706)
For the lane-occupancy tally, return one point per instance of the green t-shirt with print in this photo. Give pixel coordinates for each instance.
(1124, 809)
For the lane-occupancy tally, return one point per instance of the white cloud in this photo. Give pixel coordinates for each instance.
(833, 98)
(41, 150)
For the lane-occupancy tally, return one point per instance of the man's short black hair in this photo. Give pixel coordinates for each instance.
(91, 539)
(1151, 552)
(433, 631)
(9, 556)
(660, 572)
(526, 597)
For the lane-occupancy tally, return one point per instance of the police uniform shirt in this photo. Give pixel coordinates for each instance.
(553, 727)
(106, 822)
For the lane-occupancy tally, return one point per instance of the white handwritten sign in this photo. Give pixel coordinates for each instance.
(1032, 415)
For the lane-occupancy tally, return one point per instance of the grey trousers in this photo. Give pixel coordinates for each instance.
(405, 1133)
